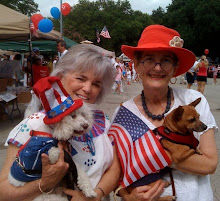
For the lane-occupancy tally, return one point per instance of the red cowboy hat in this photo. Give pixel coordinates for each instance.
(158, 37)
(55, 100)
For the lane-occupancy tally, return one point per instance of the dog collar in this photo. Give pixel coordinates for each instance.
(187, 139)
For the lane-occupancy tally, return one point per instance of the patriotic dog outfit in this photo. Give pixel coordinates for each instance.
(93, 151)
(57, 104)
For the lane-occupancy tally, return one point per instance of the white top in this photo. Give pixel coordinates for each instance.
(94, 165)
(188, 187)
(63, 53)
(128, 73)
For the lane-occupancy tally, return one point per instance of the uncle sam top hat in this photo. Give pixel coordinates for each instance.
(55, 100)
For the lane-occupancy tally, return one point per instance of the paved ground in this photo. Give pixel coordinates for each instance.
(112, 101)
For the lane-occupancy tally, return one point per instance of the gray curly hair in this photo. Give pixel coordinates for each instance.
(85, 57)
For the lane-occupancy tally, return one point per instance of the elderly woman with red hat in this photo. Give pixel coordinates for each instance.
(158, 58)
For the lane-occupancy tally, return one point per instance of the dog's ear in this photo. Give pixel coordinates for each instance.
(177, 114)
(196, 102)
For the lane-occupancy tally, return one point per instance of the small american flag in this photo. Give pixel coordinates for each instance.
(139, 151)
(98, 36)
(105, 33)
(33, 29)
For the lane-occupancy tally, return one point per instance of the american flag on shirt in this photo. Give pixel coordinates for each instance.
(139, 151)
(105, 33)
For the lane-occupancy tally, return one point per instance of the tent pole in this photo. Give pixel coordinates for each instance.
(31, 61)
(61, 20)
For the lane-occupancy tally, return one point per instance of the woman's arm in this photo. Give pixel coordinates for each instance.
(197, 66)
(207, 162)
(51, 175)
(110, 178)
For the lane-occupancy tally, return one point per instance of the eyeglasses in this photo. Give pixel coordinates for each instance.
(165, 64)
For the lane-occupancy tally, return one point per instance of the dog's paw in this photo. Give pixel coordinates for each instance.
(14, 181)
(53, 154)
(89, 193)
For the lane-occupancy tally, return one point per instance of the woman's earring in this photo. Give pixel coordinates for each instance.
(174, 81)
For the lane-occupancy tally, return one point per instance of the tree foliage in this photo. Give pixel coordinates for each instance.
(27, 7)
(198, 23)
(124, 24)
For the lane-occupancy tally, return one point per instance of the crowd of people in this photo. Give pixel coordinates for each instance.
(114, 154)
(39, 65)
(198, 73)
(126, 74)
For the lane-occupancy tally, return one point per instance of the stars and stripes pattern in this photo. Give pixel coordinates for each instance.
(33, 30)
(139, 151)
(105, 33)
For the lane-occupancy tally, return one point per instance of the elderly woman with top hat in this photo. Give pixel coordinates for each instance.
(86, 74)
(158, 58)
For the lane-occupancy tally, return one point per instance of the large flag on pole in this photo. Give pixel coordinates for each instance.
(97, 36)
(138, 148)
(105, 33)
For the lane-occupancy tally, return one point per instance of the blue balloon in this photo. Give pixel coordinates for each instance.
(55, 12)
(45, 25)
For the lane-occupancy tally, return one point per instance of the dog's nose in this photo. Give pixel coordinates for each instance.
(204, 127)
(85, 126)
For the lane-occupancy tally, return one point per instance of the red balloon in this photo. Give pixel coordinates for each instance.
(206, 51)
(65, 9)
(36, 18)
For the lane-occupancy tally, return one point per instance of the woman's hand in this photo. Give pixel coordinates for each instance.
(144, 193)
(79, 196)
(53, 173)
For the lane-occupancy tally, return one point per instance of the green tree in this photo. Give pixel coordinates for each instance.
(27, 7)
(198, 22)
(124, 24)
(158, 16)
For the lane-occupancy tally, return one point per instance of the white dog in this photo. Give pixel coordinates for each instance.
(75, 124)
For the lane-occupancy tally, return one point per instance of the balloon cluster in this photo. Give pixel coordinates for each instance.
(46, 25)
(65, 10)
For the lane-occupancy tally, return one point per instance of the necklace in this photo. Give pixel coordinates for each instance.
(159, 116)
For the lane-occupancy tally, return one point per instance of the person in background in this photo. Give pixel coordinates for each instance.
(86, 74)
(202, 73)
(61, 48)
(128, 75)
(158, 57)
(55, 59)
(16, 69)
(215, 73)
(190, 74)
(39, 70)
(118, 79)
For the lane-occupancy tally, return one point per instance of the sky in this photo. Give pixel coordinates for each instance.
(145, 6)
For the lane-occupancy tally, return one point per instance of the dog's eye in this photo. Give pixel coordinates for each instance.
(192, 120)
(73, 116)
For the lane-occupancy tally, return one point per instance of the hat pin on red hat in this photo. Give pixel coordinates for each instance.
(55, 100)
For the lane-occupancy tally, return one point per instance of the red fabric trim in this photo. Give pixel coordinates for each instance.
(188, 139)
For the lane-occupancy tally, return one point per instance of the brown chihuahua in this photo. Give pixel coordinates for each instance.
(177, 135)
